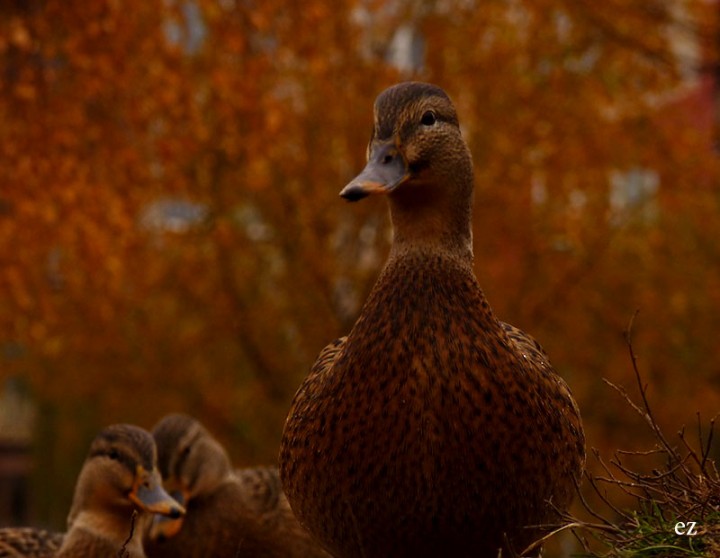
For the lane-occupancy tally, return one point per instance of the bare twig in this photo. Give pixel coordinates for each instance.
(643, 388)
(685, 488)
(706, 449)
(538, 543)
(123, 552)
(585, 503)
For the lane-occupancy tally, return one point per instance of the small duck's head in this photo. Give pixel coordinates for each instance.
(417, 155)
(191, 462)
(120, 473)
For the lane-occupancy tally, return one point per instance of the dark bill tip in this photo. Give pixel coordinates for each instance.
(353, 193)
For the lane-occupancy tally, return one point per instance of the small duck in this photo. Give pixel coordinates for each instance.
(118, 490)
(433, 428)
(230, 513)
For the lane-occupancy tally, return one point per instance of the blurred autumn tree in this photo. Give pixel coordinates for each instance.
(173, 240)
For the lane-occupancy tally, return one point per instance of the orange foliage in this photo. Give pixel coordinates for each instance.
(172, 234)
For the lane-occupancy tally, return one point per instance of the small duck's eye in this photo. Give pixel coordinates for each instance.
(113, 454)
(428, 119)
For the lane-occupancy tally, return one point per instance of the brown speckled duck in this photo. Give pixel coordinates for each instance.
(432, 429)
(118, 479)
(230, 514)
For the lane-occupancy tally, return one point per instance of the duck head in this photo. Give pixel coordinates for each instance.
(192, 463)
(120, 475)
(417, 156)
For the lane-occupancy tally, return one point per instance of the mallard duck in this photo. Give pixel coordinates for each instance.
(118, 490)
(28, 542)
(432, 429)
(230, 513)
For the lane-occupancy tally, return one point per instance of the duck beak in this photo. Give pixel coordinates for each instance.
(163, 527)
(386, 169)
(148, 494)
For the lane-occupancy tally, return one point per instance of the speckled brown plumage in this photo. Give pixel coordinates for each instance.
(28, 542)
(233, 514)
(119, 478)
(432, 429)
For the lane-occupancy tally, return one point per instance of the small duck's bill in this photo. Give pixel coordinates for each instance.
(164, 528)
(386, 169)
(149, 495)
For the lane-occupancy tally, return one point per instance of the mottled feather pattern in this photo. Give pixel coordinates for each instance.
(525, 344)
(328, 355)
(424, 414)
(28, 542)
(261, 488)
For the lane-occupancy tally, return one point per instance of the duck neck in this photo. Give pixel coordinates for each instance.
(212, 472)
(424, 221)
(120, 529)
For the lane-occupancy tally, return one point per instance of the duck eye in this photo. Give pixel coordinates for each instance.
(428, 119)
(113, 454)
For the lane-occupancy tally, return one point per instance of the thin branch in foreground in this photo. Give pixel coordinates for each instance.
(538, 543)
(643, 388)
(123, 552)
(684, 489)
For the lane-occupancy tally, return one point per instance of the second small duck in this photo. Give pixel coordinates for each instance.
(230, 513)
